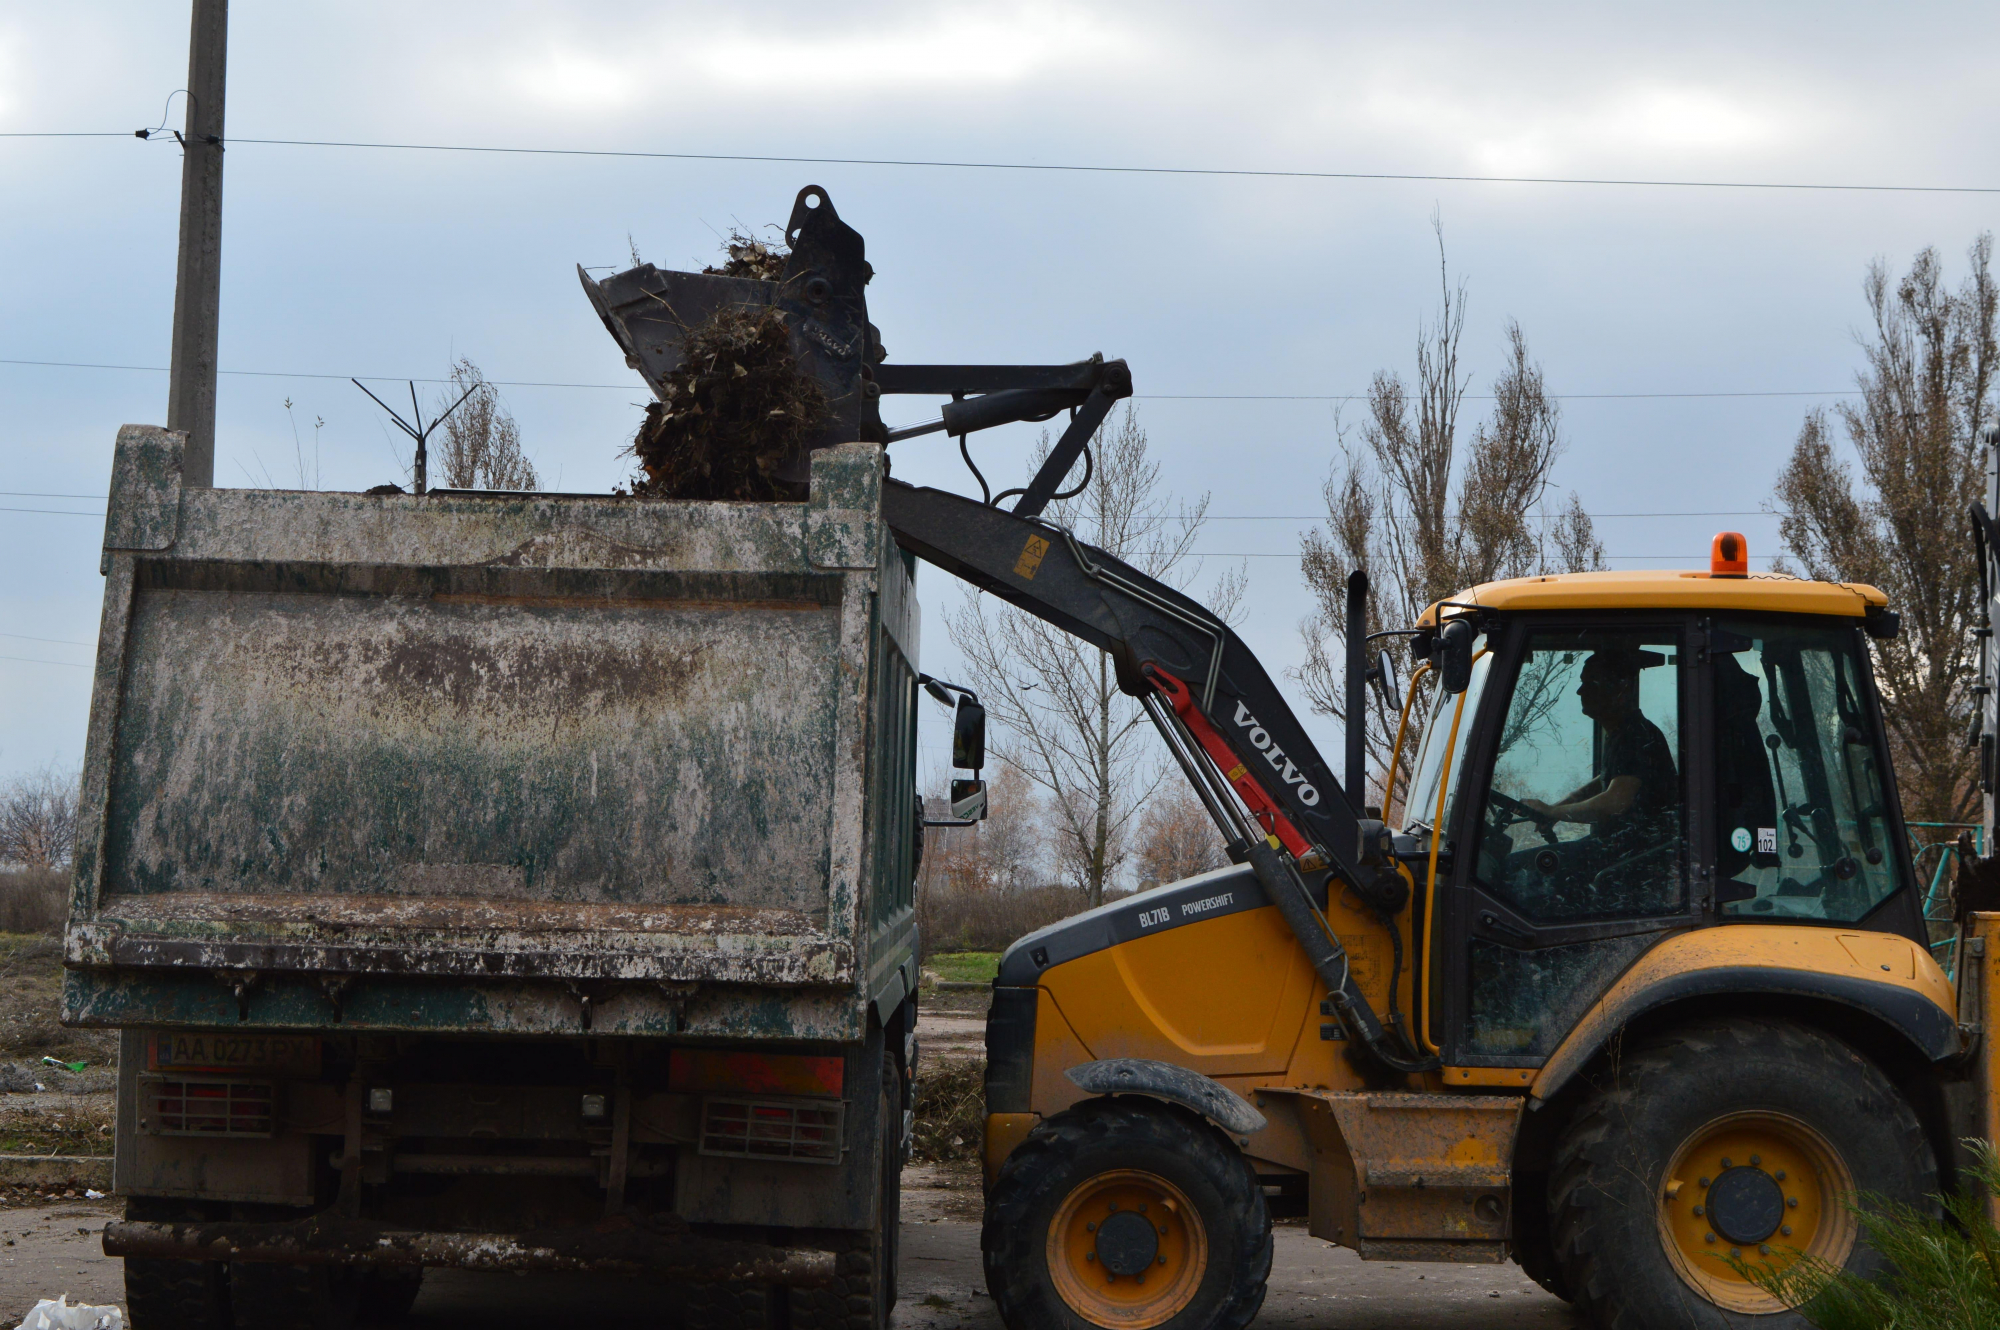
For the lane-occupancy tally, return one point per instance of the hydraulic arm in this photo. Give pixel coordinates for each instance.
(1215, 706)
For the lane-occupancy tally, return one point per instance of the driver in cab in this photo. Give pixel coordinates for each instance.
(1637, 778)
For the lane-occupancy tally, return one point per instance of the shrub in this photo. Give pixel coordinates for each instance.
(34, 900)
(1945, 1271)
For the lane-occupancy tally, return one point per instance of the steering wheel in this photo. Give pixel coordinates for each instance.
(1522, 813)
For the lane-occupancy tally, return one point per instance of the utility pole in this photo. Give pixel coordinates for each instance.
(198, 279)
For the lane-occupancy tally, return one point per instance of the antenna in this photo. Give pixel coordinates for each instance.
(419, 431)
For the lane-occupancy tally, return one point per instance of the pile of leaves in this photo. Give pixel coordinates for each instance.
(733, 413)
(751, 257)
(950, 1111)
(1944, 1269)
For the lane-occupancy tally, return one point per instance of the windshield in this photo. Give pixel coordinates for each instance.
(1421, 804)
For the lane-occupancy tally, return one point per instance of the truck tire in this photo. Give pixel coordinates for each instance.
(865, 1291)
(386, 1297)
(174, 1295)
(1063, 1242)
(1767, 1127)
(728, 1307)
(294, 1297)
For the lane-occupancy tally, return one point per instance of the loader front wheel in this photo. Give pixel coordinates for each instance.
(1128, 1218)
(1730, 1142)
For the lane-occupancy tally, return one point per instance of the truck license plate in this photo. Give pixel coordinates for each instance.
(279, 1054)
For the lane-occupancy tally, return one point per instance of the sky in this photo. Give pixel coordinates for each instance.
(1688, 329)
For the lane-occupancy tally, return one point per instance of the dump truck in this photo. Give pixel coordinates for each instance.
(500, 881)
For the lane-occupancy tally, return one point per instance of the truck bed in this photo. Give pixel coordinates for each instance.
(494, 762)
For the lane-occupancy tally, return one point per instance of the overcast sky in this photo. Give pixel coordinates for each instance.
(343, 261)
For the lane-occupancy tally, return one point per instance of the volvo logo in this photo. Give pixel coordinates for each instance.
(1260, 739)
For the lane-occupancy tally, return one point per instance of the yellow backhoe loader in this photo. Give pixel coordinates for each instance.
(1637, 990)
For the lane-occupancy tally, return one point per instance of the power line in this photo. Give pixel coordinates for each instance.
(37, 494)
(1151, 397)
(57, 512)
(37, 660)
(55, 641)
(1084, 168)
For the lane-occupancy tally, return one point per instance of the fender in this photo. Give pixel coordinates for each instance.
(1885, 975)
(1177, 1085)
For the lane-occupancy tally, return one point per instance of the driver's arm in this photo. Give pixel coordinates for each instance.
(1615, 798)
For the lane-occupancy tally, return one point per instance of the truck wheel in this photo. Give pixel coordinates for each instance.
(386, 1297)
(865, 1291)
(1126, 1217)
(727, 1307)
(1740, 1138)
(174, 1295)
(294, 1297)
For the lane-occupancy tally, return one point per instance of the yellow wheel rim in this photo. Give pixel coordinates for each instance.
(1759, 1187)
(1127, 1250)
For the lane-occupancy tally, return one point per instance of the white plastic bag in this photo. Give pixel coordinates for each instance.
(58, 1314)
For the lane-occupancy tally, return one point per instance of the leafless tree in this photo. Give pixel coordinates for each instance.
(479, 445)
(1058, 715)
(1425, 522)
(1176, 838)
(38, 818)
(1926, 393)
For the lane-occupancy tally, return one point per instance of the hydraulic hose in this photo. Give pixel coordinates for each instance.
(1287, 891)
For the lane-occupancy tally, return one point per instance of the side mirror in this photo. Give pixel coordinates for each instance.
(1452, 656)
(968, 738)
(968, 800)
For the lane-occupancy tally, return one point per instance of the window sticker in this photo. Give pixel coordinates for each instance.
(1739, 840)
(1767, 840)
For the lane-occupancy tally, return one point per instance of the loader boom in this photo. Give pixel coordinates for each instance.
(1216, 706)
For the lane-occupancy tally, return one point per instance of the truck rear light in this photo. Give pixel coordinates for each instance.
(207, 1106)
(805, 1131)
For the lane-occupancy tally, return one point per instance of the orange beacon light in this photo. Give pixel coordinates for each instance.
(1729, 555)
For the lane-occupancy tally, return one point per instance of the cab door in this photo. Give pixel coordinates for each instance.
(1576, 844)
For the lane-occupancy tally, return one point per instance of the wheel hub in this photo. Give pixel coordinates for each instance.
(1127, 1243)
(1746, 1205)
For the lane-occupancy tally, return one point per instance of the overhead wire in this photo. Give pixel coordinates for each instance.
(1080, 168)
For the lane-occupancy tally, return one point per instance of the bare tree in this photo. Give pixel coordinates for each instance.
(1392, 510)
(1176, 838)
(38, 818)
(1058, 714)
(1926, 394)
(479, 445)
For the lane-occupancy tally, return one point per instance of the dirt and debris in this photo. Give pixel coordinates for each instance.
(733, 413)
(950, 1110)
(751, 257)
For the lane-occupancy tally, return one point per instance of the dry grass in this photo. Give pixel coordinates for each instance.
(951, 1111)
(31, 1002)
(989, 919)
(751, 257)
(34, 900)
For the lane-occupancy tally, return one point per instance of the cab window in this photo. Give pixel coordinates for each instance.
(1802, 815)
(1584, 816)
(1420, 807)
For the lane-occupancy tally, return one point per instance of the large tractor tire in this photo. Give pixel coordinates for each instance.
(1127, 1216)
(865, 1292)
(1731, 1139)
(175, 1295)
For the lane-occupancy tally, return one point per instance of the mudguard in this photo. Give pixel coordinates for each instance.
(1177, 1085)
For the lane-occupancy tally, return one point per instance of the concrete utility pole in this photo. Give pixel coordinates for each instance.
(198, 280)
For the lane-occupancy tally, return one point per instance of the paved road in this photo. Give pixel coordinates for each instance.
(54, 1249)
